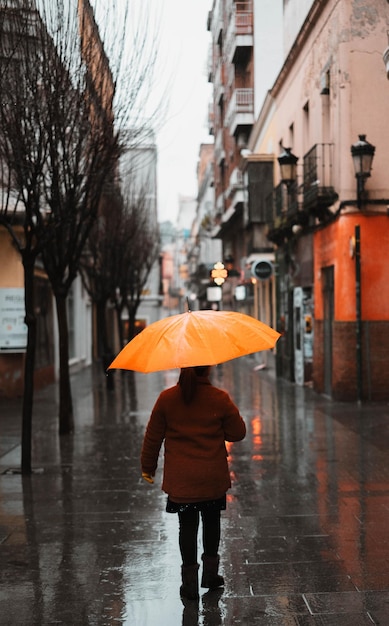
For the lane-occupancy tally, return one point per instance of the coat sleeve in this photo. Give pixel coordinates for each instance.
(233, 424)
(154, 436)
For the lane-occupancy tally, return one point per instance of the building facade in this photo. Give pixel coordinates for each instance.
(325, 222)
(244, 56)
(203, 250)
(25, 22)
(139, 187)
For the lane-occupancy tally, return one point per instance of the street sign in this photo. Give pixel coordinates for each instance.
(262, 269)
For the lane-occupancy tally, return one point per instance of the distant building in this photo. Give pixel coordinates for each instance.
(203, 250)
(139, 180)
(186, 214)
(170, 293)
(245, 57)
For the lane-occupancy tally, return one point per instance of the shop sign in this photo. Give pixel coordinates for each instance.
(13, 330)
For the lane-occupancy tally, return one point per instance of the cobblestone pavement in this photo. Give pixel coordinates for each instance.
(85, 542)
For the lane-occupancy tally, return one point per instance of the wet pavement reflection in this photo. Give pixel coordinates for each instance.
(84, 541)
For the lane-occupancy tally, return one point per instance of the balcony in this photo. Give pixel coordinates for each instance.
(235, 189)
(236, 179)
(258, 179)
(240, 111)
(239, 37)
(318, 190)
(284, 215)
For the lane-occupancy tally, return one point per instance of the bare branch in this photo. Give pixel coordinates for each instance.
(70, 91)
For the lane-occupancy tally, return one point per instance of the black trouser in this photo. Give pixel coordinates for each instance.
(189, 525)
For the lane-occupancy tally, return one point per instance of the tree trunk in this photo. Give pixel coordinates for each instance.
(102, 335)
(120, 325)
(29, 364)
(131, 321)
(105, 349)
(66, 423)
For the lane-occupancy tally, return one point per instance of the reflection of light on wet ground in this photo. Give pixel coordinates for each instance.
(233, 477)
(304, 536)
(229, 446)
(146, 613)
(256, 429)
(150, 579)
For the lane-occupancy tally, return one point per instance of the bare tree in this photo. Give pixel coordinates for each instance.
(140, 256)
(22, 157)
(101, 265)
(59, 145)
(122, 249)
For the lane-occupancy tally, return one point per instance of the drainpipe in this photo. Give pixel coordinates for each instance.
(358, 310)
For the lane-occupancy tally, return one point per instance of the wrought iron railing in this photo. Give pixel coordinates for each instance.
(318, 184)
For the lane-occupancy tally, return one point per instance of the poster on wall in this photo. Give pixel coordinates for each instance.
(13, 330)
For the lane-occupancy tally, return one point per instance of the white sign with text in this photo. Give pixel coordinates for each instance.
(13, 330)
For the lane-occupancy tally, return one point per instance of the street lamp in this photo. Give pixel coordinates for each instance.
(219, 273)
(288, 167)
(362, 153)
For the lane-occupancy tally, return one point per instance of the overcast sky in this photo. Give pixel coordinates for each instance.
(184, 42)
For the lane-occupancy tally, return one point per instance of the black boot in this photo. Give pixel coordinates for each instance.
(190, 582)
(210, 577)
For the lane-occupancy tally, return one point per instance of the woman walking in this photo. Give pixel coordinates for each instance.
(194, 419)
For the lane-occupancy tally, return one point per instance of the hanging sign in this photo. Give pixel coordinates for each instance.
(262, 269)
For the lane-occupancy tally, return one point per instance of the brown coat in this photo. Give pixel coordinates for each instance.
(195, 465)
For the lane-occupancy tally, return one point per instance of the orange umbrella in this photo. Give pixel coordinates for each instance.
(195, 338)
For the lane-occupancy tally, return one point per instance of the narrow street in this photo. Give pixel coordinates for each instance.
(85, 542)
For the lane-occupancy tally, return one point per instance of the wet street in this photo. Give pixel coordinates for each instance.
(85, 542)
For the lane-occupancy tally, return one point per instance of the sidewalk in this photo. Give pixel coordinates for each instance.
(85, 542)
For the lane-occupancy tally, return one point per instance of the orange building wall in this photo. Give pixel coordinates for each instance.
(11, 268)
(332, 247)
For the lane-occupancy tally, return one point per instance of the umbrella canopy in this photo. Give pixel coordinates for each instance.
(195, 338)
